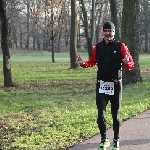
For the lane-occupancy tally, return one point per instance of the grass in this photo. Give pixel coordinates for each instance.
(53, 107)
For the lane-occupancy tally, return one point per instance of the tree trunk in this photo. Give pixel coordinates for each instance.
(28, 26)
(146, 25)
(4, 45)
(98, 27)
(9, 41)
(52, 35)
(130, 36)
(86, 28)
(20, 38)
(73, 35)
(114, 18)
(93, 23)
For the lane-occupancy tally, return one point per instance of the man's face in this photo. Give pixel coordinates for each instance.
(108, 34)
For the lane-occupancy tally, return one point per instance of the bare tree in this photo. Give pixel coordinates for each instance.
(146, 25)
(93, 22)
(86, 28)
(130, 35)
(73, 35)
(4, 45)
(102, 14)
(114, 17)
(27, 3)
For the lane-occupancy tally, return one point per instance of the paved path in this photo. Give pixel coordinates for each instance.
(134, 135)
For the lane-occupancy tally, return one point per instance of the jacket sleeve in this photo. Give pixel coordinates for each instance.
(92, 61)
(125, 52)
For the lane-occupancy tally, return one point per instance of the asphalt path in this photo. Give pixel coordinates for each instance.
(134, 135)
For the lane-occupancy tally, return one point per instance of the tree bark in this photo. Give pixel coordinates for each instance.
(114, 18)
(4, 45)
(73, 35)
(52, 35)
(93, 23)
(146, 26)
(28, 26)
(130, 36)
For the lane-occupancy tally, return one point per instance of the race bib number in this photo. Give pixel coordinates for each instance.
(106, 87)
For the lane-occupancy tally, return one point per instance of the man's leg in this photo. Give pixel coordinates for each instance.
(115, 110)
(101, 102)
(101, 119)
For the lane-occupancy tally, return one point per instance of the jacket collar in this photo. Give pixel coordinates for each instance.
(109, 41)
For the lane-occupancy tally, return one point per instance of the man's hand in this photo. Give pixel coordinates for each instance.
(79, 60)
(126, 59)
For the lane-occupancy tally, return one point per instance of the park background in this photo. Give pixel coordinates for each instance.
(51, 105)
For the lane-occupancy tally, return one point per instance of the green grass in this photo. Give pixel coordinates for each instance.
(54, 107)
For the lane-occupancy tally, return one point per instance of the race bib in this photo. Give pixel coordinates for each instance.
(106, 87)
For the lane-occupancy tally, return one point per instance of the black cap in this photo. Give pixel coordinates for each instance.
(109, 25)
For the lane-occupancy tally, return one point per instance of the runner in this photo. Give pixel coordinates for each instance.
(108, 55)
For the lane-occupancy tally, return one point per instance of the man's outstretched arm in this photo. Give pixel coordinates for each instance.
(89, 63)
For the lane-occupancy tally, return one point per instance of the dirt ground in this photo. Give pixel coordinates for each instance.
(145, 71)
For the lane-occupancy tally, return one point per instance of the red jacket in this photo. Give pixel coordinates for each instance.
(124, 51)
